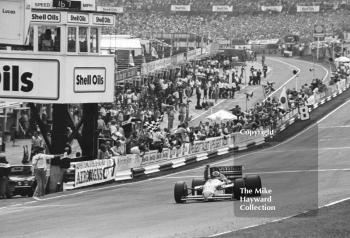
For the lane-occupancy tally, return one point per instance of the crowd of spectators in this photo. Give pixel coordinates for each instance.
(249, 6)
(342, 71)
(246, 27)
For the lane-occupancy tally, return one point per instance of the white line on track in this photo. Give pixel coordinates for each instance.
(331, 127)
(272, 172)
(30, 202)
(315, 64)
(285, 83)
(13, 209)
(335, 138)
(299, 70)
(308, 149)
(280, 219)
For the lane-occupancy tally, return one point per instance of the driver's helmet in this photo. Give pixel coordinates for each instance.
(215, 174)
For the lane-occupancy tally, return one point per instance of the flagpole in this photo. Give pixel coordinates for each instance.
(318, 45)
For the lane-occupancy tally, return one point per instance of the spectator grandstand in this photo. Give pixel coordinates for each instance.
(248, 27)
(246, 21)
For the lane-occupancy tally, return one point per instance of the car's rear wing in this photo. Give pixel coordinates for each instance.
(231, 172)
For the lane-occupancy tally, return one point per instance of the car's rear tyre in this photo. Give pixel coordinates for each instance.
(197, 182)
(253, 183)
(180, 192)
(237, 192)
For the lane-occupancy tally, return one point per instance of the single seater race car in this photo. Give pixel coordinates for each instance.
(21, 181)
(219, 183)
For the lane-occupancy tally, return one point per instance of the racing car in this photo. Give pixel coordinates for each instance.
(21, 181)
(219, 183)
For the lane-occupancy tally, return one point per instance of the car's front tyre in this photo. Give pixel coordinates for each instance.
(180, 192)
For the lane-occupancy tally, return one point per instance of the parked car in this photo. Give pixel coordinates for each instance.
(21, 181)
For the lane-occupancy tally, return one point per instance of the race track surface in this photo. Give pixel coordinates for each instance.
(305, 172)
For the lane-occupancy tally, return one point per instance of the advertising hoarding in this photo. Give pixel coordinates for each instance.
(41, 4)
(49, 17)
(29, 78)
(271, 8)
(110, 9)
(180, 8)
(308, 8)
(103, 19)
(319, 31)
(222, 8)
(88, 5)
(78, 18)
(94, 172)
(53, 79)
(89, 80)
(16, 12)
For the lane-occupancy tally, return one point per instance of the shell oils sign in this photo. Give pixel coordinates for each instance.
(89, 80)
(29, 79)
(57, 79)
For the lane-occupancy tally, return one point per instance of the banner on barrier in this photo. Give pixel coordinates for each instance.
(185, 149)
(271, 8)
(311, 100)
(191, 55)
(94, 172)
(199, 146)
(150, 67)
(110, 9)
(215, 143)
(154, 157)
(308, 8)
(341, 84)
(126, 162)
(180, 8)
(223, 8)
(172, 153)
(225, 141)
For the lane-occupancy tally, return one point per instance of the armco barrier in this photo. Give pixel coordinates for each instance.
(333, 91)
(208, 145)
(179, 162)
